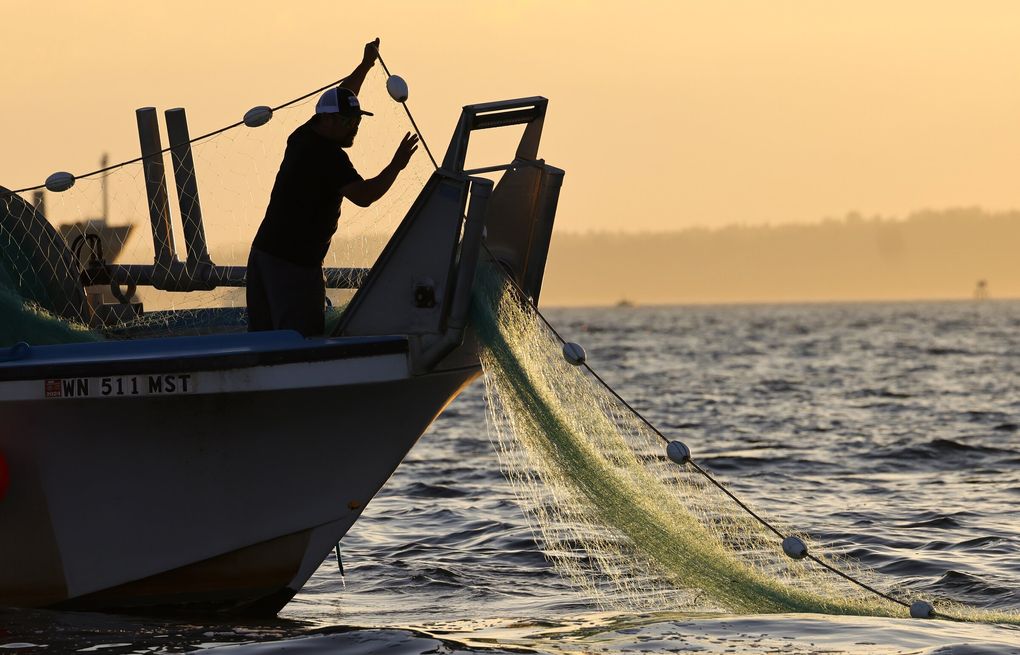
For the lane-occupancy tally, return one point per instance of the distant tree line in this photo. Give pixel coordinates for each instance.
(931, 254)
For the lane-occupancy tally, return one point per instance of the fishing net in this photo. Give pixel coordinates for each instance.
(615, 514)
(46, 238)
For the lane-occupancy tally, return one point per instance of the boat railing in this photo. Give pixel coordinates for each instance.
(422, 282)
(176, 277)
(519, 216)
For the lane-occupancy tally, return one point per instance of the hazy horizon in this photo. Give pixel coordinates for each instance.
(928, 255)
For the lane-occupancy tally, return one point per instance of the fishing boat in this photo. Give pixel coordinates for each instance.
(214, 471)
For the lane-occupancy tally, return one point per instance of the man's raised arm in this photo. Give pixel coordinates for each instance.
(365, 192)
(357, 76)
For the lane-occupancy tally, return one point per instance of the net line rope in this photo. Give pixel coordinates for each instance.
(403, 104)
(708, 476)
(193, 140)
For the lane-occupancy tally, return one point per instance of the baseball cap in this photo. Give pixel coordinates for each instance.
(339, 100)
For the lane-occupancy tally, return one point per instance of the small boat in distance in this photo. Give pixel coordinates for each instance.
(92, 238)
(215, 472)
(111, 238)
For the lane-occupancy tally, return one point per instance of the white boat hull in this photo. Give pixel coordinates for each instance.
(227, 496)
(217, 471)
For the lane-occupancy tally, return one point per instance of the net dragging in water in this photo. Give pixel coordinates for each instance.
(614, 514)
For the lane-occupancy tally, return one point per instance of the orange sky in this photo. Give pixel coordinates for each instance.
(666, 115)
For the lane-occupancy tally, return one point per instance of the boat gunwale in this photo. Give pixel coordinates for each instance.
(169, 359)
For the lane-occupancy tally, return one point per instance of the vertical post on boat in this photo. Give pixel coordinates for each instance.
(104, 161)
(39, 201)
(541, 229)
(455, 309)
(470, 247)
(155, 188)
(187, 189)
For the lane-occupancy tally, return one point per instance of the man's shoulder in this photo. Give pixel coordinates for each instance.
(304, 135)
(305, 147)
(344, 158)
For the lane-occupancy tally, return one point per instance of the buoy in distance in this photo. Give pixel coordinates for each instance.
(921, 609)
(397, 88)
(574, 353)
(794, 548)
(678, 452)
(257, 116)
(60, 181)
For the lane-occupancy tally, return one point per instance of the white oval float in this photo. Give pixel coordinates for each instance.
(397, 88)
(678, 452)
(574, 353)
(59, 181)
(258, 116)
(921, 609)
(794, 548)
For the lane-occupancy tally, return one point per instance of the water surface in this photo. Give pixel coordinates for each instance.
(889, 432)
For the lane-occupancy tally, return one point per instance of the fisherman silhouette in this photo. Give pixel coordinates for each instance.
(286, 289)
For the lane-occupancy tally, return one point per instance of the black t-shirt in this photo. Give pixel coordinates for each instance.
(304, 207)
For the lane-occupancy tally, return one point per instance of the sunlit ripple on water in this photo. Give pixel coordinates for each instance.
(888, 431)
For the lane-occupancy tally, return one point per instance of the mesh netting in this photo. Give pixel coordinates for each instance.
(614, 513)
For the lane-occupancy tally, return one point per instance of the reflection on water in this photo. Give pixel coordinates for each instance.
(887, 431)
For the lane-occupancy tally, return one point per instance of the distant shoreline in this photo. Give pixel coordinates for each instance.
(786, 303)
(930, 255)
